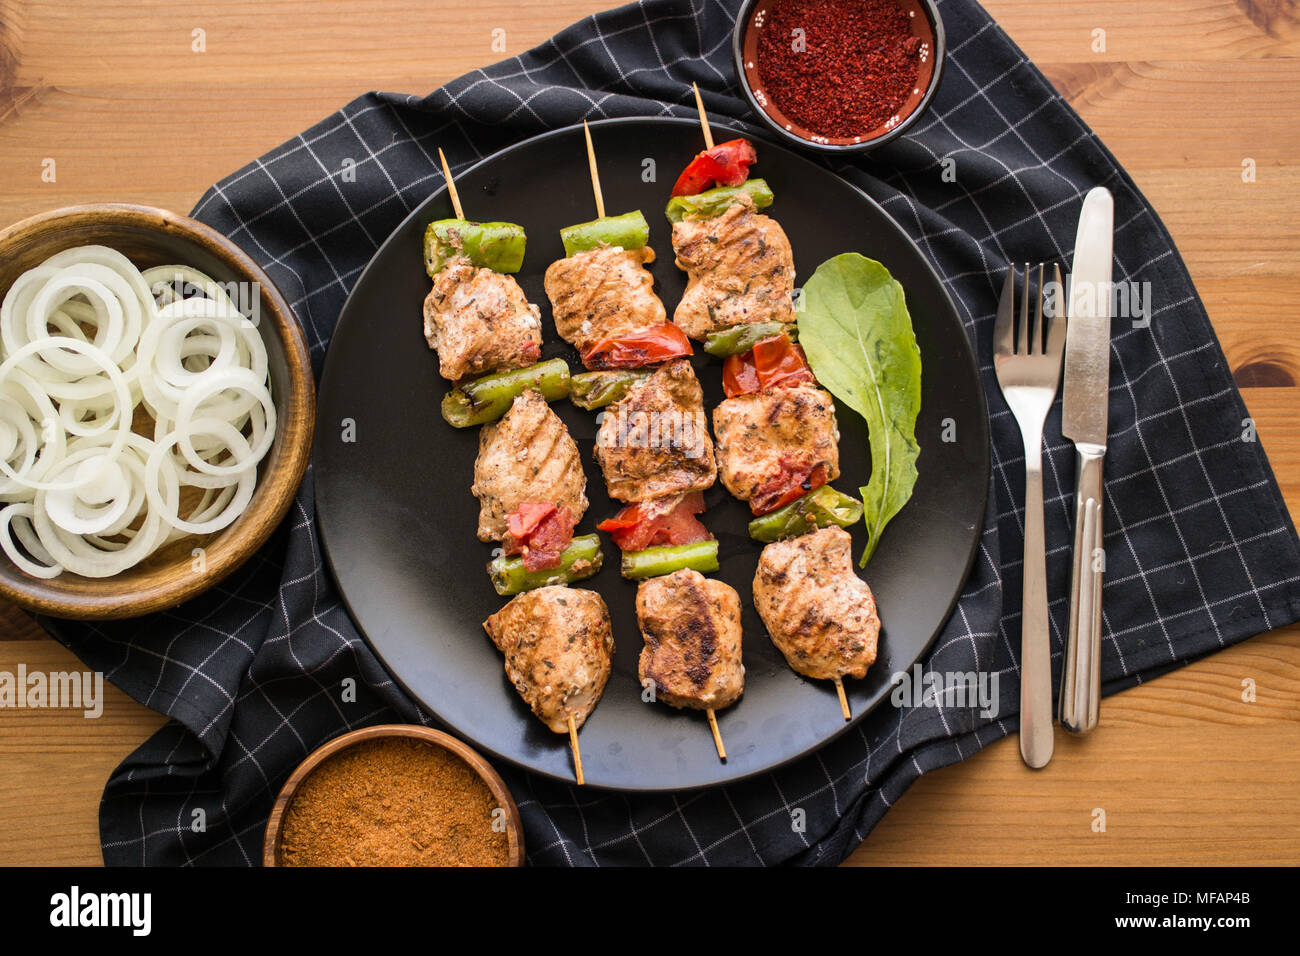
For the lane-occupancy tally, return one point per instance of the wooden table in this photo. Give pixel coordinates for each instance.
(1184, 92)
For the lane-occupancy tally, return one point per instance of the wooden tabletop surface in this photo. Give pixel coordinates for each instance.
(1187, 93)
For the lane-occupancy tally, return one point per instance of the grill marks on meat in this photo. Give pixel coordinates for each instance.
(765, 434)
(655, 441)
(526, 457)
(819, 613)
(740, 269)
(478, 321)
(691, 627)
(603, 293)
(558, 646)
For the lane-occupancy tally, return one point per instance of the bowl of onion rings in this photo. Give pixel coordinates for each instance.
(156, 410)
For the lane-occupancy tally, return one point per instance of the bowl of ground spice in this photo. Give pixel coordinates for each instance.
(839, 76)
(394, 795)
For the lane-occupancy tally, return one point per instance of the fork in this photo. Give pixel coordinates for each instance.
(1029, 370)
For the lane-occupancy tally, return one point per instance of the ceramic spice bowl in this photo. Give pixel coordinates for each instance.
(839, 76)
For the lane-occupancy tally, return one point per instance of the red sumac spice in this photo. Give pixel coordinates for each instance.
(839, 68)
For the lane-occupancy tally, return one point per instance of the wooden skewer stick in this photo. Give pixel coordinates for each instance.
(844, 701)
(717, 736)
(451, 186)
(704, 119)
(595, 175)
(577, 751)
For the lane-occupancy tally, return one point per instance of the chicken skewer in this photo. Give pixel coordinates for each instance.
(654, 450)
(558, 646)
(557, 642)
(778, 449)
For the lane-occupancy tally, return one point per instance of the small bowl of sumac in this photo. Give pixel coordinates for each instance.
(839, 76)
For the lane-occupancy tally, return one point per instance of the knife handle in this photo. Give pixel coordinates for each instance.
(1081, 672)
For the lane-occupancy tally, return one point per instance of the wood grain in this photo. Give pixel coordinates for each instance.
(1183, 92)
(54, 763)
(1186, 772)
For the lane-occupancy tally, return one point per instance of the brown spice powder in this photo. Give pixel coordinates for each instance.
(393, 802)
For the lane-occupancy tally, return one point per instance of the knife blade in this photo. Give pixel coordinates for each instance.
(1084, 404)
(1087, 338)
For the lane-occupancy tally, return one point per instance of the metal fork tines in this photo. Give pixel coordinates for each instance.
(1027, 356)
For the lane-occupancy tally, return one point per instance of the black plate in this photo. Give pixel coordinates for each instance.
(398, 521)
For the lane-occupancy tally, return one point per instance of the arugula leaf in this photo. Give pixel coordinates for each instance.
(857, 334)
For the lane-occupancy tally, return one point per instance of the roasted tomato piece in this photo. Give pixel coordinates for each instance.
(520, 524)
(650, 346)
(772, 363)
(540, 532)
(781, 363)
(648, 524)
(726, 164)
(793, 481)
(739, 377)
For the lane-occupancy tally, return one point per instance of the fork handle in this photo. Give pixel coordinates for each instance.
(1035, 644)
(1081, 672)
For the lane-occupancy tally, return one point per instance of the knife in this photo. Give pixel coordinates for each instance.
(1084, 404)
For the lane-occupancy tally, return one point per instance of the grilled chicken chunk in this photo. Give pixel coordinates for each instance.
(766, 436)
(479, 321)
(527, 456)
(691, 628)
(820, 614)
(603, 293)
(740, 269)
(558, 645)
(655, 441)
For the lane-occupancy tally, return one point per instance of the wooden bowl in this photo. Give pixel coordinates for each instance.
(152, 237)
(271, 855)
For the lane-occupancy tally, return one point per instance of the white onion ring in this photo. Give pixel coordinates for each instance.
(244, 381)
(23, 509)
(114, 375)
(159, 462)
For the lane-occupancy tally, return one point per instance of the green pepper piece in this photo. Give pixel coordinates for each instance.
(488, 398)
(701, 556)
(498, 246)
(714, 202)
(581, 559)
(628, 231)
(739, 339)
(817, 509)
(592, 390)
